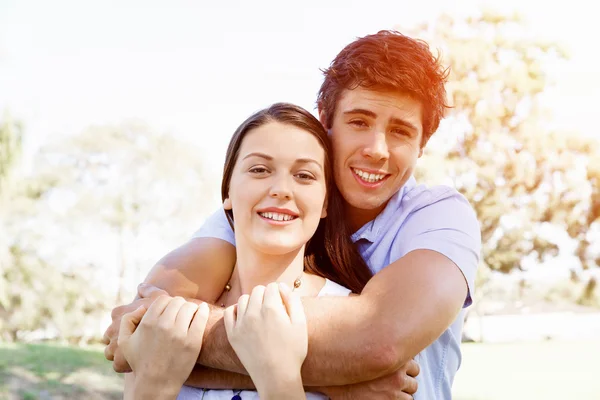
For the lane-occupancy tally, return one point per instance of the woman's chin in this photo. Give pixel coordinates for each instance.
(278, 247)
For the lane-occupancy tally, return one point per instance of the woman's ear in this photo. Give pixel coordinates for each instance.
(324, 212)
(227, 204)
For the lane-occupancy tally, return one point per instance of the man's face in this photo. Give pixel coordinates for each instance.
(376, 139)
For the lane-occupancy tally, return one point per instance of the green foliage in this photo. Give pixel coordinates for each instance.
(100, 189)
(498, 146)
(40, 296)
(11, 137)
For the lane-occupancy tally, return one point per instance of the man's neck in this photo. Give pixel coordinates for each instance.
(255, 268)
(358, 217)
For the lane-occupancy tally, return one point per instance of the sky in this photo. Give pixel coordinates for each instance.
(197, 69)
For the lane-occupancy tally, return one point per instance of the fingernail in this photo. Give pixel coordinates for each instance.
(284, 286)
(204, 306)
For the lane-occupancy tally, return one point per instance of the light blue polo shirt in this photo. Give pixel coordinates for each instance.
(436, 218)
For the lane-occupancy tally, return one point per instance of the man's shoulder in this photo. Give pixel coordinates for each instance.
(420, 197)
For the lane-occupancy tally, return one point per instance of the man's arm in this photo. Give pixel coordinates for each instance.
(208, 378)
(401, 311)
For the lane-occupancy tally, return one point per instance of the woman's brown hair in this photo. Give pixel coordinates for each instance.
(329, 253)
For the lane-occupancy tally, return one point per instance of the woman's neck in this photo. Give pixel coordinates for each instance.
(255, 268)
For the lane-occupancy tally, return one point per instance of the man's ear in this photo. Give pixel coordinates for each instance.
(227, 204)
(323, 118)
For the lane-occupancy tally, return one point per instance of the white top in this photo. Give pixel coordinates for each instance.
(190, 393)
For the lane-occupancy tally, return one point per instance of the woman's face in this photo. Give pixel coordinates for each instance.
(277, 190)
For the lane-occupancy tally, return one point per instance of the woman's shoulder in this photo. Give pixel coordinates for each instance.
(332, 288)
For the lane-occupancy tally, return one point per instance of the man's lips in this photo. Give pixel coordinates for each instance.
(371, 178)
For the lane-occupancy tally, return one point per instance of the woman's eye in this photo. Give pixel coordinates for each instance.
(258, 170)
(305, 176)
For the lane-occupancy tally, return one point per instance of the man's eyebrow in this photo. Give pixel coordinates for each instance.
(404, 123)
(371, 114)
(361, 111)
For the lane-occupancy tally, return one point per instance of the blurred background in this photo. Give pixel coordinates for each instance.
(114, 118)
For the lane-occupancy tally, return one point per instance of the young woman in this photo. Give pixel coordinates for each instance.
(279, 195)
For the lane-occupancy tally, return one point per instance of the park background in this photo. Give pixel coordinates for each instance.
(115, 115)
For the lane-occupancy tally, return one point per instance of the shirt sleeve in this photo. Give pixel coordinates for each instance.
(450, 227)
(216, 226)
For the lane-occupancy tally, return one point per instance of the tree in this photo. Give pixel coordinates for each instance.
(103, 197)
(129, 179)
(517, 171)
(11, 141)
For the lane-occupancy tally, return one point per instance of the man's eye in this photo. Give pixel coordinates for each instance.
(401, 132)
(358, 123)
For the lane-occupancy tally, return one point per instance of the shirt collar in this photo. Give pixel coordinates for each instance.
(371, 230)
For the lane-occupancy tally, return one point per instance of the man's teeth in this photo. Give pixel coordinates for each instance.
(277, 216)
(367, 176)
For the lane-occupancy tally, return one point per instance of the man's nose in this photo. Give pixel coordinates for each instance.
(376, 148)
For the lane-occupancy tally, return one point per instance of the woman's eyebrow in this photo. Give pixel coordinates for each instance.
(261, 155)
(309, 161)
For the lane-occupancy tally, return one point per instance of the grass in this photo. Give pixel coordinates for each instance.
(50, 371)
(537, 370)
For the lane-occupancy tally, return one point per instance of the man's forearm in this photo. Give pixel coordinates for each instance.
(322, 366)
(401, 311)
(209, 378)
(216, 351)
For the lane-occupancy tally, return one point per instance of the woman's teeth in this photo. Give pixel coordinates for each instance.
(276, 216)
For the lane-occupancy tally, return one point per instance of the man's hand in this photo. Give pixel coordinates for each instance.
(111, 335)
(401, 385)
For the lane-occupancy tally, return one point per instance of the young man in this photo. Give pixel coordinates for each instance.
(382, 99)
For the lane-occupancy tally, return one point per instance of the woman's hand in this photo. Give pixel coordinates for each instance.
(162, 344)
(268, 332)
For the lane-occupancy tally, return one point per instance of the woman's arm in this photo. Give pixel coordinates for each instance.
(199, 269)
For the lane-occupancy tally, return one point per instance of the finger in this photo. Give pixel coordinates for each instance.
(146, 290)
(198, 325)
(120, 364)
(109, 351)
(272, 298)
(105, 339)
(170, 313)
(156, 308)
(242, 306)
(410, 385)
(184, 317)
(229, 317)
(129, 322)
(293, 305)
(413, 368)
(256, 299)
